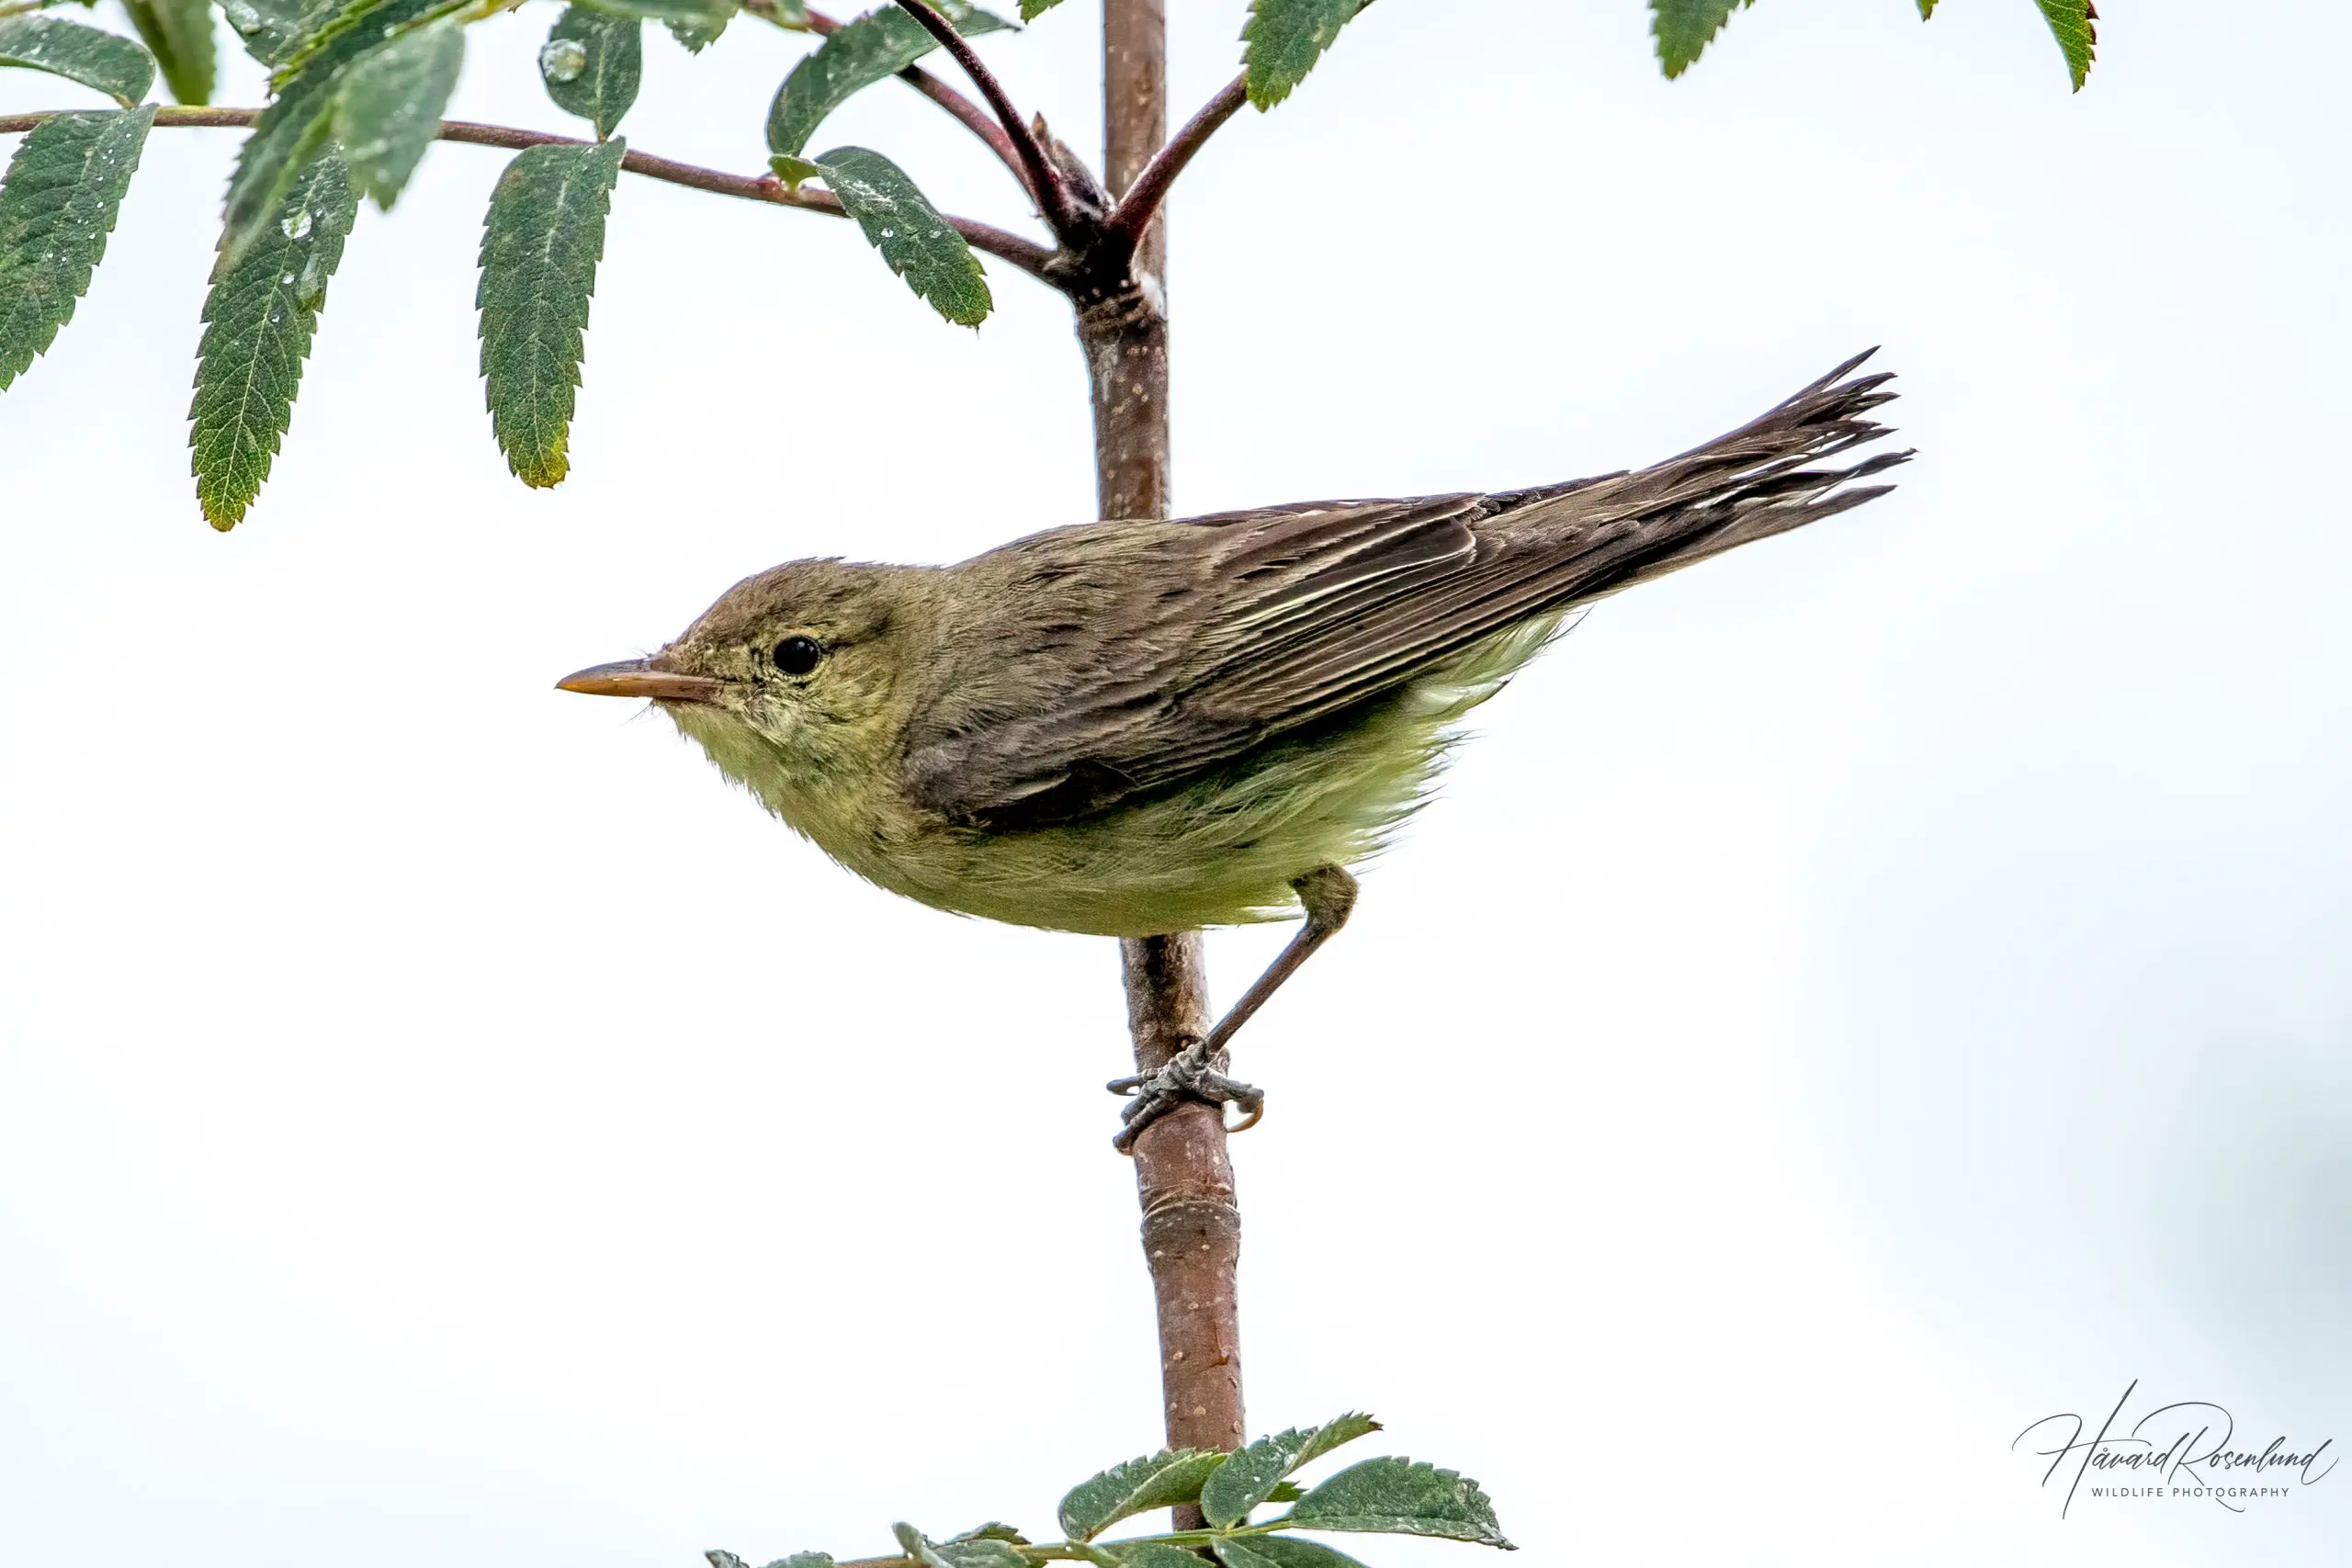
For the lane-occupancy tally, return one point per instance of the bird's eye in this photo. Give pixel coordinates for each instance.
(798, 655)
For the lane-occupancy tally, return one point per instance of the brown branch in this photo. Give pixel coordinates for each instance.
(1026, 254)
(1143, 198)
(973, 118)
(1044, 180)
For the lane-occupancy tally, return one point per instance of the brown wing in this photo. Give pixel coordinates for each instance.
(1143, 654)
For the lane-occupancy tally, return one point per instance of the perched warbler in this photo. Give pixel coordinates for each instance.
(1134, 728)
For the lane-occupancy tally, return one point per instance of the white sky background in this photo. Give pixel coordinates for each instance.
(1856, 997)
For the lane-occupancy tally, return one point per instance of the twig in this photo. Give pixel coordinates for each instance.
(1053, 197)
(968, 114)
(1026, 254)
(1136, 208)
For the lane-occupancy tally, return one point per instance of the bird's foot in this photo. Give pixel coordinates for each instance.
(1191, 1074)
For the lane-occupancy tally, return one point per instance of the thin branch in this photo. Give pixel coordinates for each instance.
(973, 118)
(1138, 207)
(1053, 196)
(1026, 254)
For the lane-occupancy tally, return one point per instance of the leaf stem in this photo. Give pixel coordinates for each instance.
(1026, 254)
(1142, 200)
(1044, 180)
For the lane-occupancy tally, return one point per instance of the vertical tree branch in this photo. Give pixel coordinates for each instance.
(1192, 1225)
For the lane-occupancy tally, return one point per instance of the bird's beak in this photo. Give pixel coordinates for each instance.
(636, 678)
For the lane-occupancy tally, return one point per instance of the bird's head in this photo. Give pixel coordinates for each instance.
(794, 679)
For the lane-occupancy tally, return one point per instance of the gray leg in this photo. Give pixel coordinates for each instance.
(1327, 894)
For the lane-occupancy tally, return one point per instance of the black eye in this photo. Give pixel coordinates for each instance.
(798, 655)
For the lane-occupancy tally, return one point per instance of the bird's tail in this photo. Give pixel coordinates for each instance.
(1766, 478)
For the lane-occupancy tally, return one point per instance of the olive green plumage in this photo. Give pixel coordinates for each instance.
(1132, 728)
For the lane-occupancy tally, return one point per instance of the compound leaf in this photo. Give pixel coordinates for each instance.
(539, 251)
(302, 115)
(259, 320)
(1684, 29)
(178, 33)
(854, 58)
(1396, 1496)
(2074, 23)
(57, 205)
(1155, 1480)
(592, 64)
(900, 222)
(390, 108)
(1283, 38)
(1250, 1475)
(111, 64)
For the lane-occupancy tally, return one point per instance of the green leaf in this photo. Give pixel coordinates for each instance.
(57, 206)
(1927, 9)
(1397, 1497)
(1278, 1551)
(390, 108)
(1249, 1477)
(973, 1551)
(854, 58)
(1155, 1480)
(539, 251)
(2074, 23)
(695, 11)
(1283, 38)
(591, 63)
(270, 28)
(1684, 27)
(302, 115)
(113, 64)
(259, 319)
(699, 34)
(1157, 1554)
(178, 33)
(721, 1559)
(992, 1530)
(1033, 9)
(900, 221)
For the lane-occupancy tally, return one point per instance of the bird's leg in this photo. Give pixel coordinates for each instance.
(1328, 893)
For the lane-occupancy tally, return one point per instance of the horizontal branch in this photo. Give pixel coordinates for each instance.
(1141, 203)
(1026, 254)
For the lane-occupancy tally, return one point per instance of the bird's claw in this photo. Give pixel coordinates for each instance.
(1189, 1073)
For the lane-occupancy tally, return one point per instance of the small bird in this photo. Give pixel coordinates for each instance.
(1131, 728)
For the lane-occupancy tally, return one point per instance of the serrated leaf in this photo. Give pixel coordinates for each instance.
(699, 34)
(2074, 24)
(716, 11)
(270, 28)
(1283, 38)
(58, 203)
(302, 115)
(178, 33)
(1157, 1554)
(390, 109)
(1278, 1551)
(1250, 1475)
(1684, 29)
(259, 319)
(592, 64)
(853, 59)
(900, 222)
(539, 251)
(1397, 1497)
(992, 1530)
(1154, 1481)
(1033, 9)
(111, 64)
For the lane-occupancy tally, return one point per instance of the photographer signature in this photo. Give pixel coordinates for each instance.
(2187, 1448)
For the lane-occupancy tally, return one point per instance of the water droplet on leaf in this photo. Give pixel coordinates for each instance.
(296, 225)
(562, 59)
